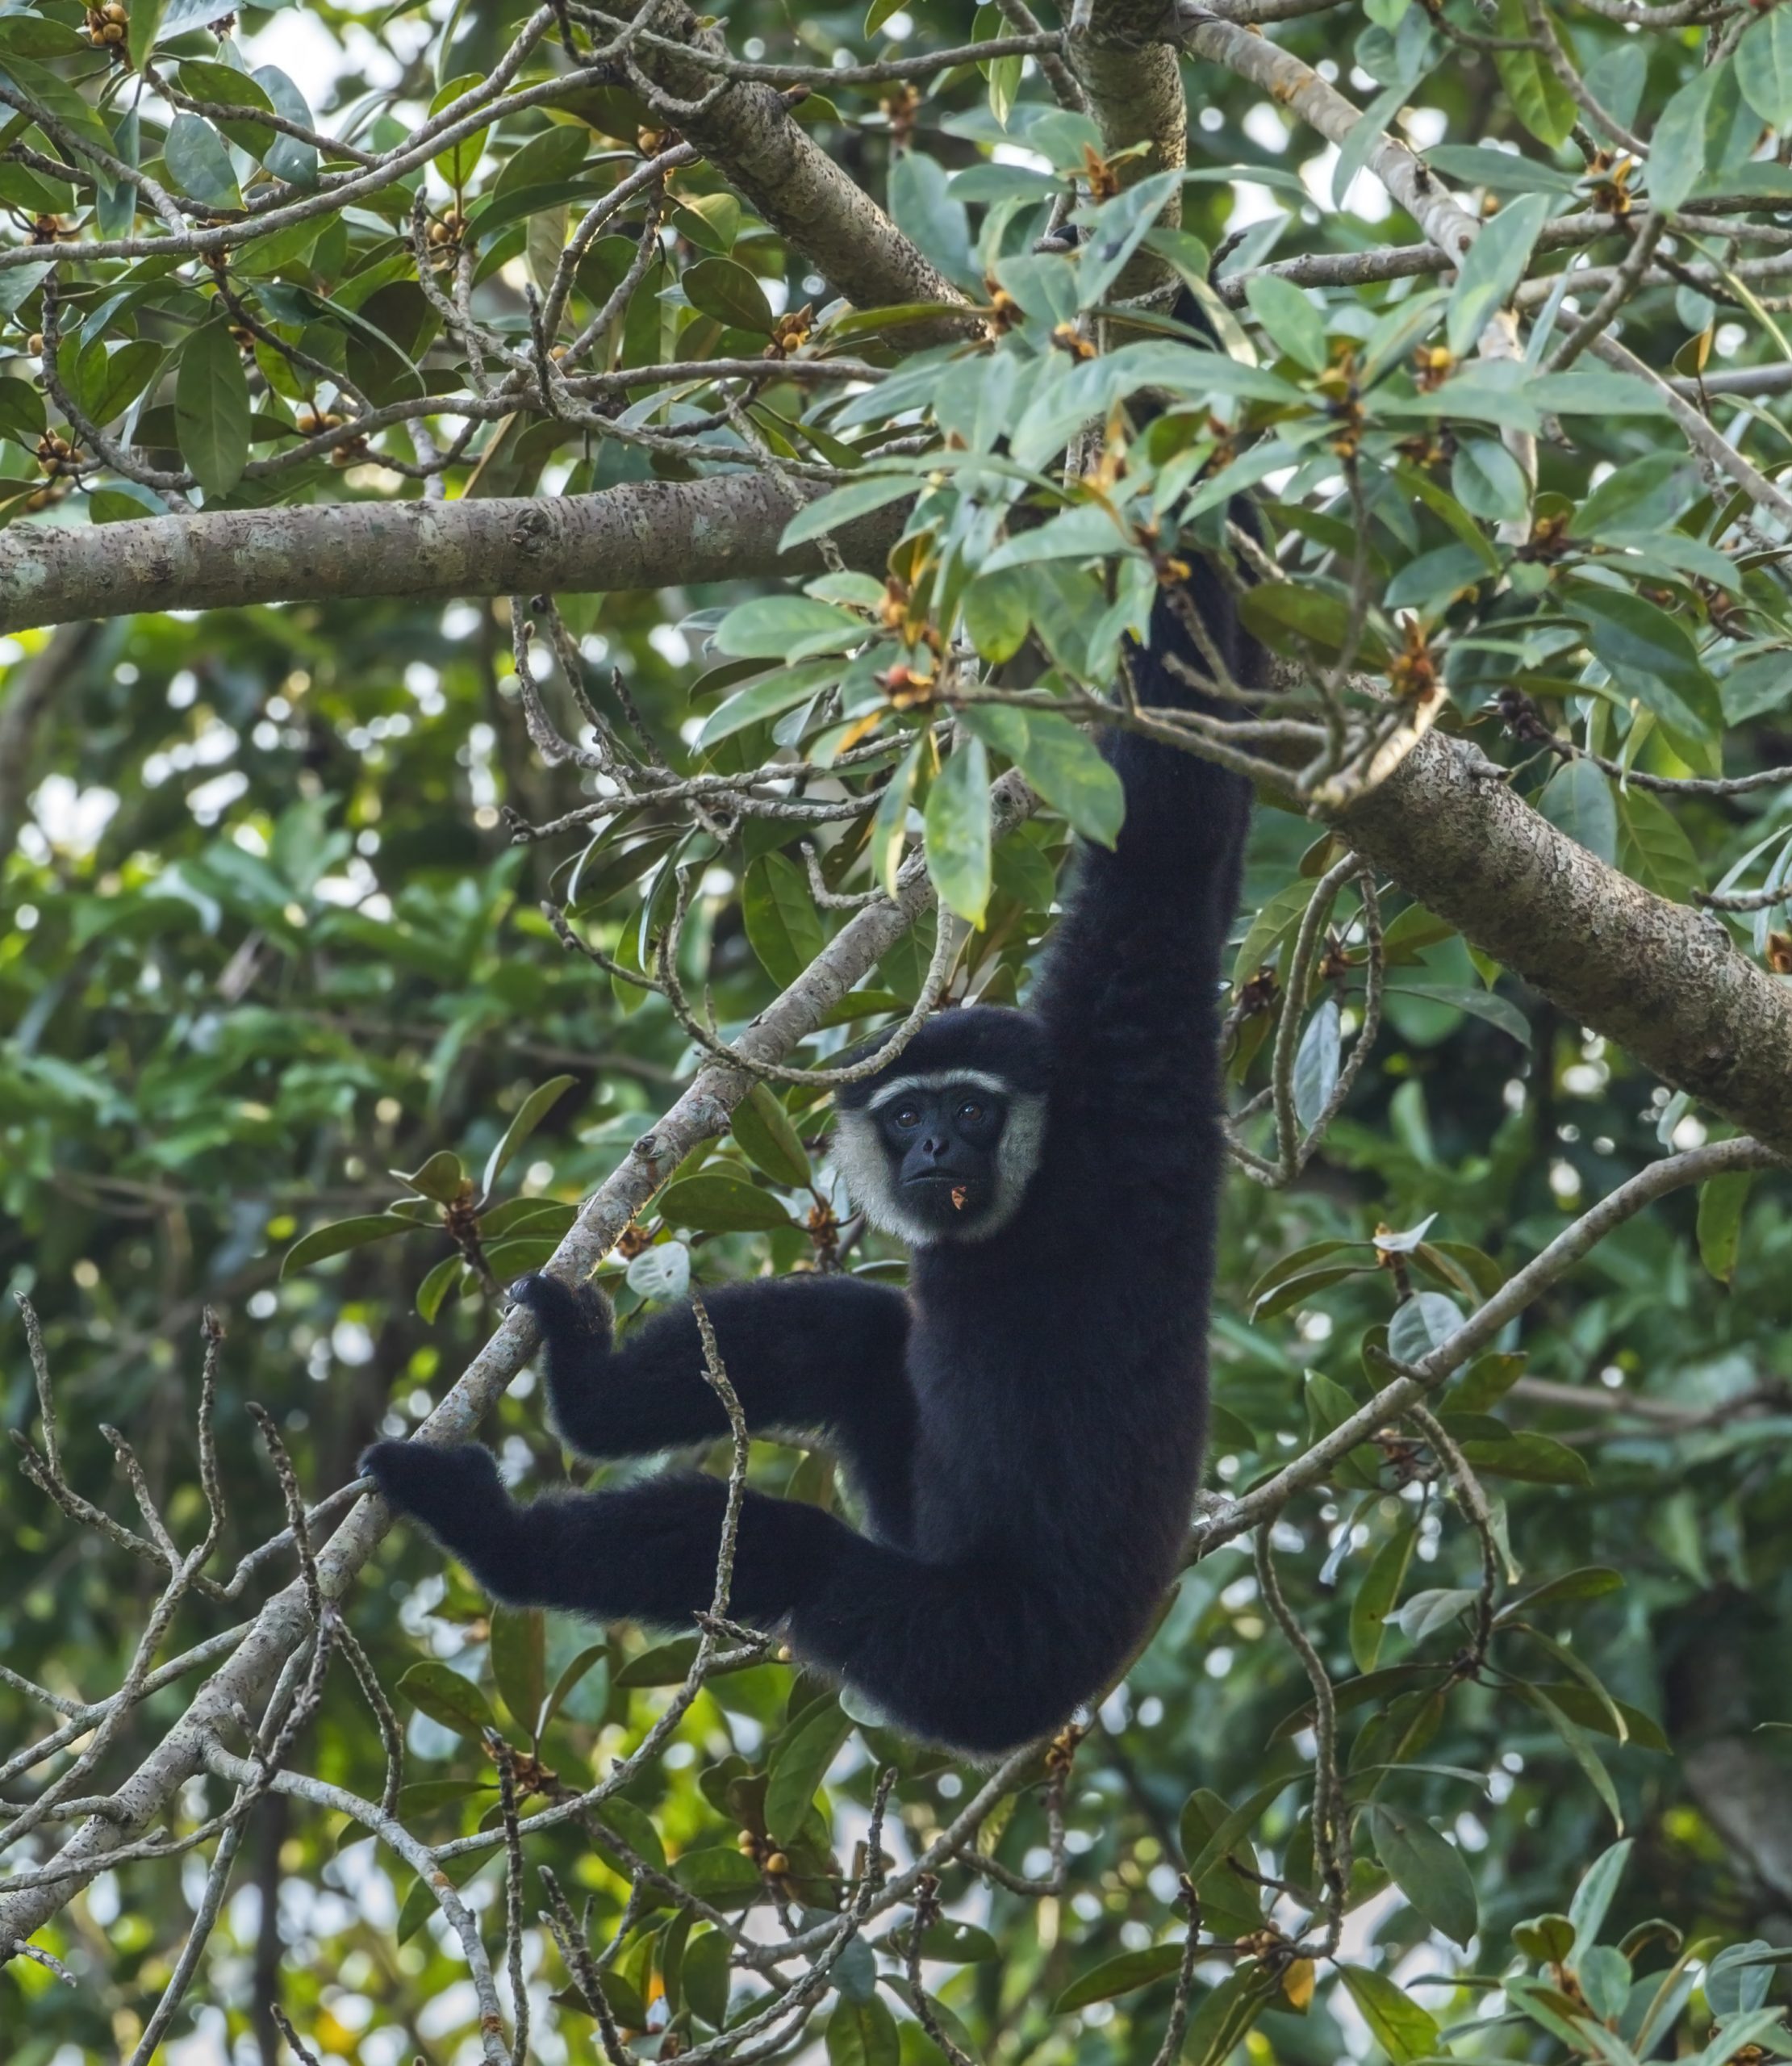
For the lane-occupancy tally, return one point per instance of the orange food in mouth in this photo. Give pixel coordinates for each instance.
(958, 1195)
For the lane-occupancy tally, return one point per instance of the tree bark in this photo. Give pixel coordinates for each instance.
(722, 528)
(1664, 982)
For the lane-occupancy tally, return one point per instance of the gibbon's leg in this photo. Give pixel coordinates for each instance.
(960, 1654)
(802, 1352)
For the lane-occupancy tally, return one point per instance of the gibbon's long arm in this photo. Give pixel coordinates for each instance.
(821, 1353)
(957, 1651)
(1129, 992)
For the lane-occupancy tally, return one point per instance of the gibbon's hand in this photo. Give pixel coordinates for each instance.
(578, 1334)
(433, 1486)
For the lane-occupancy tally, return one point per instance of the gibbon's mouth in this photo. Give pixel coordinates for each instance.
(961, 1189)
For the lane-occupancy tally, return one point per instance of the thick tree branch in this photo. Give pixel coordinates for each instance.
(1664, 982)
(640, 536)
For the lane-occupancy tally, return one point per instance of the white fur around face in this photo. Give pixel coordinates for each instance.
(861, 1158)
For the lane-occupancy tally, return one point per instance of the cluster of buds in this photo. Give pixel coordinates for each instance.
(56, 456)
(790, 333)
(313, 421)
(900, 105)
(243, 338)
(633, 1241)
(1412, 673)
(51, 229)
(1609, 175)
(1068, 338)
(764, 1853)
(651, 142)
(1432, 365)
(446, 233)
(1003, 313)
(108, 25)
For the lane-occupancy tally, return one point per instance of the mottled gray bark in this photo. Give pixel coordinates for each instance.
(1662, 981)
(753, 139)
(640, 535)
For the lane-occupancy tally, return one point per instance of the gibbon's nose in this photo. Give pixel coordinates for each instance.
(936, 1146)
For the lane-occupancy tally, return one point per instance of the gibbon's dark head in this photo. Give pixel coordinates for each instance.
(941, 1144)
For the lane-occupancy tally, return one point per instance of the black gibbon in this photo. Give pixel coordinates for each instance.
(1023, 1425)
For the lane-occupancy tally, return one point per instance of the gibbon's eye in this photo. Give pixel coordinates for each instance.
(970, 1109)
(907, 1116)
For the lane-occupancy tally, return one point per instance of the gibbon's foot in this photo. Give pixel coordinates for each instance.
(438, 1487)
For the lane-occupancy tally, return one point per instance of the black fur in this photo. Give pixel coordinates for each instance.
(1024, 1425)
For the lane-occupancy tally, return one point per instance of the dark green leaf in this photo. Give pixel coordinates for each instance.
(211, 407)
(1427, 1870)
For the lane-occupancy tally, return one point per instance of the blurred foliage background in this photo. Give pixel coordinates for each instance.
(264, 941)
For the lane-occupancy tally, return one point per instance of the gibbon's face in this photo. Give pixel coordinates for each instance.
(943, 1156)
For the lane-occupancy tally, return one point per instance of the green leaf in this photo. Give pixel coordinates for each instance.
(788, 628)
(799, 1762)
(1378, 1595)
(1650, 655)
(287, 157)
(720, 1204)
(1593, 1897)
(959, 842)
(770, 697)
(1496, 261)
(519, 1662)
(1639, 501)
(1294, 325)
(1721, 1200)
(1540, 99)
(200, 165)
(954, 1943)
(1652, 849)
(1577, 800)
(1479, 1003)
(1489, 482)
(1119, 1976)
(1589, 1581)
(845, 505)
(446, 1697)
(458, 163)
(1426, 1321)
(212, 408)
(863, 2033)
(1404, 2030)
(533, 1109)
(1429, 1871)
(1580, 1749)
(1531, 1458)
(927, 211)
(725, 289)
(1063, 764)
(1221, 2023)
(1764, 69)
(123, 376)
(763, 1128)
(1317, 1061)
(436, 1286)
(1116, 233)
(996, 615)
(22, 417)
(142, 29)
(340, 1235)
(1676, 148)
(1204, 1842)
(441, 1177)
(783, 928)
